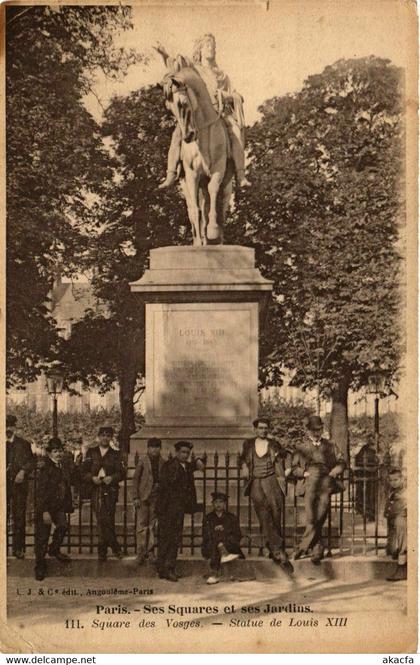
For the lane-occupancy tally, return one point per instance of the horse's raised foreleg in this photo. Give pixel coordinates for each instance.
(213, 228)
(191, 188)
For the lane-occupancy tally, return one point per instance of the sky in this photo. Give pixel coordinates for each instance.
(267, 48)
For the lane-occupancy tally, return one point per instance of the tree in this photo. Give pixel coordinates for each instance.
(135, 217)
(55, 157)
(324, 216)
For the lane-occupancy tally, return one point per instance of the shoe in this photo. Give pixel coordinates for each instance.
(169, 180)
(212, 580)
(169, 576)
(19, 554)
(287, 567)
(102, 557)
(299, 554)
(399, 574)
(225, 558)
(317, 555)
(119, 554)
(316, 560)
(140, 560)
(60, 556)
(40, 574)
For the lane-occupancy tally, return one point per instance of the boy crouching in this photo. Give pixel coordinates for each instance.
(221, 537)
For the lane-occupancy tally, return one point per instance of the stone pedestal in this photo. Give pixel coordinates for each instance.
(204, 307)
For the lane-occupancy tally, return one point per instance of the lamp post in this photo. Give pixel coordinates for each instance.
(55, 381)
(376, 386)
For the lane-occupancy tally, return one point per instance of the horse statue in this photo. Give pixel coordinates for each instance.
(205, 154)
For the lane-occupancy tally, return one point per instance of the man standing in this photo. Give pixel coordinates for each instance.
(145, 493)
(262, 464)
(316, 465)
(396, 514)
(176, 497)
(103, 470)
(221, 536)
(52, 503)
(20, 462)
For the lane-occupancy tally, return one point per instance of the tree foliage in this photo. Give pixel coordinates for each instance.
(55, 157)
(324, 215)
(135, 217)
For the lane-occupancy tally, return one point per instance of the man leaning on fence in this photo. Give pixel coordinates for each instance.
(316, 465)
(176, 497)
(145, 494)
(20, 462)
(262, 464)
(53, 501)
(396, 514)
(103, 469)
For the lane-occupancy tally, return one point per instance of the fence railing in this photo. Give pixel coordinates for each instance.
(355, 523)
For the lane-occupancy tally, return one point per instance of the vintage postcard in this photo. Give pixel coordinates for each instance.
(210, 313)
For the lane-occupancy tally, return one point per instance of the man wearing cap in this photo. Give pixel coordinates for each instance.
(53, 500)
(103, 469)
(221, 536)
(20, 462)
(145, 493)
(316, 465)
(262, 464)
(175, 498)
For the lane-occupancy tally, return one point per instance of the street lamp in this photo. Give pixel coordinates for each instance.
(55, 382)
(376, 386)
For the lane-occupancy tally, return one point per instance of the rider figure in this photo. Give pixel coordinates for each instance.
(224, 98)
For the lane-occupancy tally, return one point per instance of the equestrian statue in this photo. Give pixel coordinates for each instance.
(208, 139)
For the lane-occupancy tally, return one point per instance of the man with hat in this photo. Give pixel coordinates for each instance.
(145, 493)
(20, 462)
(221, 536)
(175, 498)
(103, 469)
(262, 464)
(316, 465)
(53, 500)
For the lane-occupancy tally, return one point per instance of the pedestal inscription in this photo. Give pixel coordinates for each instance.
(203, 364)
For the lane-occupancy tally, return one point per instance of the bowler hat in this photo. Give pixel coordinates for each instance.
(54, 443)
(106, 429)
(218, 495)
(183, 444)
(314, 422)
(11, 420)
(257, 421)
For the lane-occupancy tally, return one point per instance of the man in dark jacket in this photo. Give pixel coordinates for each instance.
(262, 464)
(221, 536)
(53, 500)
(316, 465)
(103, 470)
(176, 497)
(20, 462)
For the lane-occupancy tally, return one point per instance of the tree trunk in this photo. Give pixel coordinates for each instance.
(339, 428)
(127, 383)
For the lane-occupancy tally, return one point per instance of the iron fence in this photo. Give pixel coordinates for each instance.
(355, 523)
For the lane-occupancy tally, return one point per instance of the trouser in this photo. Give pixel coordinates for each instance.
(146, 524)
(214, 553)
(169, 540)
(42, 535)
(267, 499)
(237, 142)
(317, 500)
(17, 495)
(397, 538)
(104, 505)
